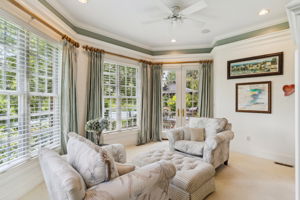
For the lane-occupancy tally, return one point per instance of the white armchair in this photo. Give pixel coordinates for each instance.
(214, 149)
(65, 183)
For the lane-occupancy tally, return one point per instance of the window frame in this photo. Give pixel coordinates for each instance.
(119, 97)
(23, 93)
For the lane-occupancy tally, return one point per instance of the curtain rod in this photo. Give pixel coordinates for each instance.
(88, 48)
(34, 16)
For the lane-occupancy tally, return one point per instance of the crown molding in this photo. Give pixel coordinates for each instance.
(66, 17)
(252, 34)
(249, 29)
(111, 39)
(283, 35)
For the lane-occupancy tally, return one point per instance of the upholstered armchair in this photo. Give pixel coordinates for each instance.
(64, 182)
(214, 149)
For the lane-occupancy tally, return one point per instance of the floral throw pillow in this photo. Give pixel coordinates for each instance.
(94, 164)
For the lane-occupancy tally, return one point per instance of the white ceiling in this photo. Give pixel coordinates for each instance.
(125, 20)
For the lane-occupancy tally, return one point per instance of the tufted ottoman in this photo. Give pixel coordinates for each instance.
(194, 178)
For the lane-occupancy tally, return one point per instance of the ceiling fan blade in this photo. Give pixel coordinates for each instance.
(194, 8)
(163, 7)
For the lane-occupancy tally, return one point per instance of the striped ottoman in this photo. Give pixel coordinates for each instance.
(194, 179)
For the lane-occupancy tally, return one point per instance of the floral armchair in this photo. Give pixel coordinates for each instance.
(214, 149)
(64, 182)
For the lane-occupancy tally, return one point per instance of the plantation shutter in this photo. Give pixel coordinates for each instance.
(120, 96)
(29, 101)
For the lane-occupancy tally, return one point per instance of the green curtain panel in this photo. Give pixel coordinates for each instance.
(94, 88)
(151, 114)
(69, 119)
(206, 90)
(145, 106)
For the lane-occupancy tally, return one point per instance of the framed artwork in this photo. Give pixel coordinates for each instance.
(264, 65)
(254, 97)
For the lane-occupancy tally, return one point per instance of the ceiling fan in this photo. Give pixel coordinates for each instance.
(177, 15)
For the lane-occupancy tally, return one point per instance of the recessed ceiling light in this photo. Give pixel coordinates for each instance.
(173, 40)
(205, 31)
(264, 12)
(83, 1)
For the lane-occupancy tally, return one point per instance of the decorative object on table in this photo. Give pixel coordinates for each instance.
(288, 89)
(96, 126)
(254, 97)
(264, 65)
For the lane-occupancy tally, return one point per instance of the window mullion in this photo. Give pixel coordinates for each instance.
(119, 120)
(24, 99)
(21, 146)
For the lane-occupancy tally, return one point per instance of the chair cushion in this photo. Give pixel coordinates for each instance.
(197, 134)
(191, 147)
(93, 163)
(187, 133)
(62, 180)
(212, 125)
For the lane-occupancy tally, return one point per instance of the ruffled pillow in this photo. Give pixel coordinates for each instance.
(94, 164)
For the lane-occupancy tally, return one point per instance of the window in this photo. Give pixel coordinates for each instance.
(120, 96)
(29, 101)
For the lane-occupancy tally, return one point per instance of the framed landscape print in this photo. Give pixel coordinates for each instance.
(264, 65)
(254, 97)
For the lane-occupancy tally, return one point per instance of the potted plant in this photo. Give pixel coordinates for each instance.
(96, 126)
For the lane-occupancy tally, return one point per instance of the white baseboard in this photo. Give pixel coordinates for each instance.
(274, 156)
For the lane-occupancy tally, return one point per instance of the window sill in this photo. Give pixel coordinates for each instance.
(125, 137)
(23, 162)
(130, 130)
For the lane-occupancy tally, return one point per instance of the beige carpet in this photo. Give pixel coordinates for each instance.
(246, 178)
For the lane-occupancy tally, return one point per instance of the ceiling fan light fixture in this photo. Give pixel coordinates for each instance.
(83, 1)
(173, 40)
(264, 12)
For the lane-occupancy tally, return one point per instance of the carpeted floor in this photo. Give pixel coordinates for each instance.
(246, 178)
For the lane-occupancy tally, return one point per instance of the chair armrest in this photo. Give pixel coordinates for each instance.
(174, 135)
(148, 181)
(117, 151)
(124, 168)
(212, 142)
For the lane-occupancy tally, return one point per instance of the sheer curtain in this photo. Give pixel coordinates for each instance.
(69, 119)
(94, 87)
(150, 115)
(206, 90)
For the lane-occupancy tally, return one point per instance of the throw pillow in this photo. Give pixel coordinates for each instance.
(93, 163)
(212, 125)
(221, 124)
(124, 168)
(197, 134)
(187, 133)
